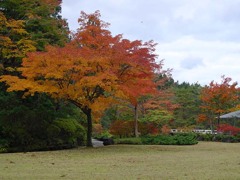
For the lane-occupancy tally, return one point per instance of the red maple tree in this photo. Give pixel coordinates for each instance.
(218, 99)
(90, 70)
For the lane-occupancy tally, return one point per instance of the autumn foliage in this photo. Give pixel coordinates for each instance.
(88, 71)
(97, 129)
(158, 107)
(15, 42)
(165, 129)
(123, 128)
(218, 98)
(228, 129)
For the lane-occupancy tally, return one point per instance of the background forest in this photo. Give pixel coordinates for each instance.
(131, 98)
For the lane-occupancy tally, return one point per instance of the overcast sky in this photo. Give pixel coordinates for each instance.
(198, 39)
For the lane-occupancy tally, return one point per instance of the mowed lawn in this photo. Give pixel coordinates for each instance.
(206, 160)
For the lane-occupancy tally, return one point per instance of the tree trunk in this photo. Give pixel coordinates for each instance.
(89, 127)
(136, 133)
(88, 112)
(218, 119)
(211, 126)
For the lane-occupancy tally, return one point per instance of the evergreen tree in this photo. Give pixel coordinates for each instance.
(187, 96)
(42, 20)
(25, 26)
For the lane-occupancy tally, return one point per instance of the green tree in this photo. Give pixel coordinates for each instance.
(15, 42)
(26, 26)
(41, 18)
(159, 107)
(187, 96)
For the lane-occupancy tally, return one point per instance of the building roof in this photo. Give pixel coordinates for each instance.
(231, 115)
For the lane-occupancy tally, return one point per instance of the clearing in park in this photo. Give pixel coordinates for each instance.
(206, 160)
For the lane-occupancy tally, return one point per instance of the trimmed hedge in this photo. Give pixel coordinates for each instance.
(177, 139)
(219, 138)
(136, 141)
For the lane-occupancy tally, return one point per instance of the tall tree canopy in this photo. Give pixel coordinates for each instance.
(15, 42)
(41, 18)
(87, 71)
(218, 98)
(187, 96)
(27, 26)
(137, 81)
(159, 107)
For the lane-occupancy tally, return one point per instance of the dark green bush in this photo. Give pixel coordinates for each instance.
(177, 139)
(3, 145)
(218, 138)
(149, 139)
(205, 137)
(238, 137)
(66, 133)
(128, 141)
(229, 138)
(165, 140)
(186, 139)
(59, 134)
(104, 134)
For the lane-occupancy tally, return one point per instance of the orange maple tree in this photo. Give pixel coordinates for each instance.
(218, 99)
(88, 71)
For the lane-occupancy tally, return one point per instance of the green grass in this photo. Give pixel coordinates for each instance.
(206, 160)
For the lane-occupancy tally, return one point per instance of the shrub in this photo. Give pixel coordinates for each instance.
(177, 139)
(106, 137)
(228, 129)
(226, 138)
(218, 138)
(66, 133)
(136, 141)
(165, 140)
(59, 134)
(205, 137)
(149, 139)
(238, 137)
(104, 134)
(3, 145)
(186, 138)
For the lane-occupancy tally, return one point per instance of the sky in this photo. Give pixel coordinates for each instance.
(198, 40)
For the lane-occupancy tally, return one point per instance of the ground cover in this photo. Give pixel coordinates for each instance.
(206, 160)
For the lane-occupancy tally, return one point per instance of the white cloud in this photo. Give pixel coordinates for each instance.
(198, 39)
(212, 59)
(191, 62)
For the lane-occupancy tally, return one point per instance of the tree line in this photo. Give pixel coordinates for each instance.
(56, 84)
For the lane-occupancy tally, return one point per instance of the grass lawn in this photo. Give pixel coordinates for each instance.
(206, 160)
